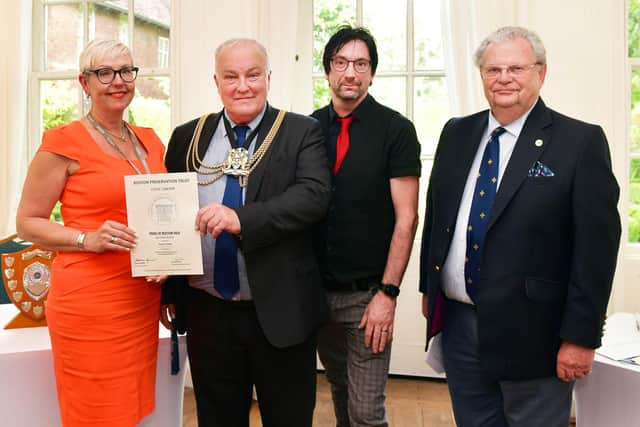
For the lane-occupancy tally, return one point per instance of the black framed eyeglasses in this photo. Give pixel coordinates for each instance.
(341, 64)
(107, 75)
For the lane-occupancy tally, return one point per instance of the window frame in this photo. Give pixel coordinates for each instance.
(163, 50)
(39, 74)
(410, 74)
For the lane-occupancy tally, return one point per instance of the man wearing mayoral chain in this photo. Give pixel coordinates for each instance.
(251, 319)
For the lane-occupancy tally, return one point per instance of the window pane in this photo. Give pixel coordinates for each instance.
(387, 21)
(151, 106)
(321, 94)
(430, 110)
(109, 20)
(327, 16)
(634, 124)
(428, 52)
(63, 35)
(634, 28)
(634, 199)
(58, 102)
(391, 91)
(151, 33)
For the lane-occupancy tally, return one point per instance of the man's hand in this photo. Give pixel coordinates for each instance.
(217, 218)
(377, 322)
(574, 361)
(167, 314)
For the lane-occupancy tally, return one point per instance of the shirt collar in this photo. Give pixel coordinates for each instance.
(359, 111)
(253, 123)
(515, 127)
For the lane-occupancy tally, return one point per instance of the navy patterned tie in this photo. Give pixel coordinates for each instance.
(225, 263)
(483, 197)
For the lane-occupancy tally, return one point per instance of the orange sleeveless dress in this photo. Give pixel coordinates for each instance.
(102, 322)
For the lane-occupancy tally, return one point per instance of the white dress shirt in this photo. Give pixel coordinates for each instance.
(453, 283)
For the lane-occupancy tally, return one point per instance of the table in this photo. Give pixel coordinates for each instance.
(609, 396)
(27, 382)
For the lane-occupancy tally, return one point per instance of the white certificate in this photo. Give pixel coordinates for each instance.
(162, 209)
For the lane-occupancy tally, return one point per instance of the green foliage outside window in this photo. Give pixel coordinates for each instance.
(634, 28)
(59, 105)
(328, 16)
(634, 125)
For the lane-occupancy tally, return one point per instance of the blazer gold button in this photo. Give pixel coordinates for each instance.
(538, 143)
(437, 267)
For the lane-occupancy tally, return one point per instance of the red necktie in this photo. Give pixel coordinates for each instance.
(342, 145)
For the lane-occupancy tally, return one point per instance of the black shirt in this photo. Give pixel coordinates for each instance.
(353, 242)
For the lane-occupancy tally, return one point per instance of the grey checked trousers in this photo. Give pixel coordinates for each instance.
(357, 376)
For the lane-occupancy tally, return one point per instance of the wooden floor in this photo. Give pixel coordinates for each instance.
(410, 403)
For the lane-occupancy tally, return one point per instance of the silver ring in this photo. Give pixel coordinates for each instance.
(114, 239)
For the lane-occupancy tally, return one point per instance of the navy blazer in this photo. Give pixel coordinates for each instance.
(551, 245)
(286, 194)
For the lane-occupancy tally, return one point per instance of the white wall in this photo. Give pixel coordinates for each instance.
(199, 26)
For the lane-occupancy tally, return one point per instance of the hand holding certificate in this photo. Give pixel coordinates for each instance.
(161, 209)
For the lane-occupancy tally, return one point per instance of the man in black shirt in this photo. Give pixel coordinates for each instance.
(365, 242)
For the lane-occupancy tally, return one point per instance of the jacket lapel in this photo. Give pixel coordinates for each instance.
(461, 161)
(525, 153)
(255, 179)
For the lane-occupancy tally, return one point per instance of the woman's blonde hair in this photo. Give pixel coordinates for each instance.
(97, 49)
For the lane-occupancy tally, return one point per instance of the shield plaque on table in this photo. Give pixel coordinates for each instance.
(27, 279)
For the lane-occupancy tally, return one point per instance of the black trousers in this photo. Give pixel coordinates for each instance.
(229, 353)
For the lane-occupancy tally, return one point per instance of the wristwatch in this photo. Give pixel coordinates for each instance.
(391, 290)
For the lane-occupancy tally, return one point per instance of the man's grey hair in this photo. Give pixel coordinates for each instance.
(98, 49)
(240, 41)
(510, 33)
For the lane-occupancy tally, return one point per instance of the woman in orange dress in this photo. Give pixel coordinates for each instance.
(103, 323)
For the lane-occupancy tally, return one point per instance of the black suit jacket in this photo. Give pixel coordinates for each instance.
(287, 193)
(551, 245)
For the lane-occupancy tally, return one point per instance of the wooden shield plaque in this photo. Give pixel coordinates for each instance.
(27, 278)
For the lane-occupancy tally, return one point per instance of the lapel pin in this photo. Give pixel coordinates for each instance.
(538, 143)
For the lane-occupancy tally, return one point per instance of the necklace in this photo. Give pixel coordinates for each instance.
(237, 163)
(122, 137)
(134, 142)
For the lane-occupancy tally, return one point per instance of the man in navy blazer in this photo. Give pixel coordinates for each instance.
(517, 308)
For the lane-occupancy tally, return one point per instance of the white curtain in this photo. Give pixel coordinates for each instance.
(465, 24)
(15, 39)
(199, 26)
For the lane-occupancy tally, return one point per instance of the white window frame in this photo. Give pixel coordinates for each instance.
(410, 73)
(163, 51)
(39, 74)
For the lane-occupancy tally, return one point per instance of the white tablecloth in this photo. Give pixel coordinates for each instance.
(610, 396)
(27, 383)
